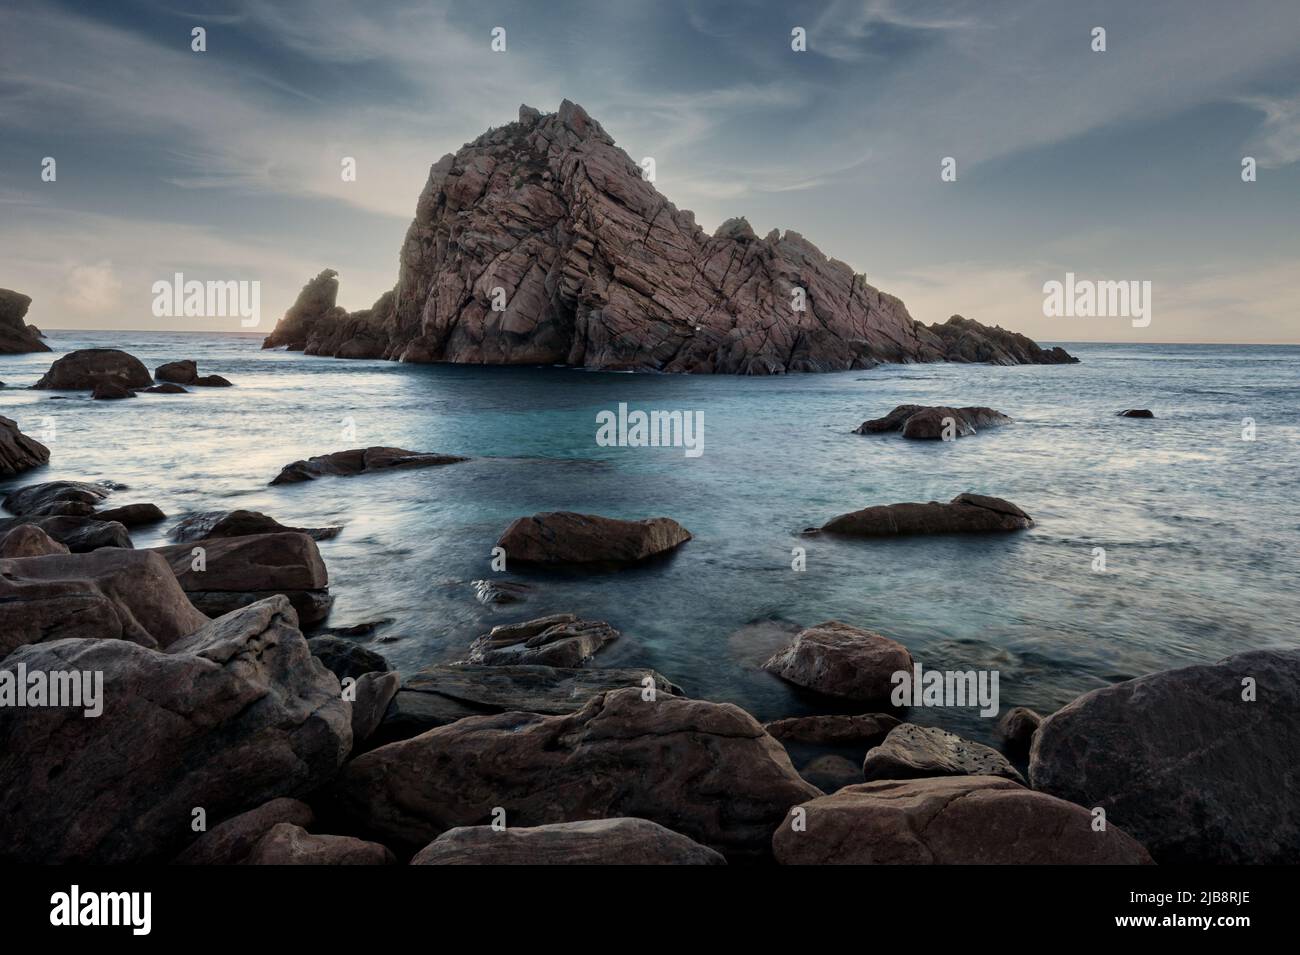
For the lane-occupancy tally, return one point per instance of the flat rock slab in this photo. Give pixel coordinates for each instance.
(1183, 762)
(950, 820)
(360, 461)
(563, 538)
(557, 640)
(910, 751)
(589, 842)
(89, 368)
(18, 452)
(964, 514)
(836, 659)
(706, 770)
(867, 729)
(934, 423)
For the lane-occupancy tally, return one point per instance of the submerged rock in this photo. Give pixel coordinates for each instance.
(18, 452)
(88, 368)
(110, 391)
(16, 338)
(211, 381)
(360, 461)
(964, 514)
(39, 499)
(932, 423)
(836, 659)
(494, 592)
(559, 640)
(563, 538)
(1198, 763)
(950, 820)
(621, 841)
(910, 751)
(1136, 413)
(240, 523)
(167, 388)
(179, 372)
(707, 769)
(234, 715)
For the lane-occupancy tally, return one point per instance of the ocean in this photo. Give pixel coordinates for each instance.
(1199, 525)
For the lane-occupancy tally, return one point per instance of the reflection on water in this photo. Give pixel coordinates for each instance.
(1199, 526)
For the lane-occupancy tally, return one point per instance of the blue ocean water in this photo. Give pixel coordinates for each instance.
(1200, 526)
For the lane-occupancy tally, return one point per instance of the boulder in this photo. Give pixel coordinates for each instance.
(18, 452)
(178, 372)
(238, 571)
(211, 381)
(234, 715)
(868, 729)
(931, 423)
(287, 844)
(17, 338)
(166, 388)
(81, 535)
(964, 514)
(132, 515)
(1017, 728)
(559, 640)
(40, 499)
(230, 841)
(1136, 413)
(621, 841)
(344, 658)
(830, 772)
(442, 694)
(910, 751)
(28, 540)
(374, 692)
(86, 369)
(836, 659)
(706, 770)
(562, 538)
(950, 820)
(1184, 762)
(240, 523)
(110, 391)
(109, 594)
(360, 461)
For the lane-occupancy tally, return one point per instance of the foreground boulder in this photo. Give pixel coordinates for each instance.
(620, 841)
(16, 337)
(81, 535)
(28, 540)
(111, 594)
(226, 719)
(836, 659)
(964, 514)
(18, 452)
(921, 422)
(910, 751)
(88, 368)
(706, 770)
(563, 538)
(1183, 762)
(240, 523)
(360, 461)
(442, 694)
(559, 640)
(231, 572)
(950, 820)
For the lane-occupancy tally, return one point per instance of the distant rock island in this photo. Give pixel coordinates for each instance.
(16, 337)
(541, 243)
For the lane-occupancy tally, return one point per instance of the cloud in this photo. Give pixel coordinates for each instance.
(91, 289)
(1277, 142)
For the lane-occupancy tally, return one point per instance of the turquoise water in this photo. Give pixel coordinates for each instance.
(1200, 526)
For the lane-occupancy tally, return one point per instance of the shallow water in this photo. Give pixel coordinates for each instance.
(1200, 526)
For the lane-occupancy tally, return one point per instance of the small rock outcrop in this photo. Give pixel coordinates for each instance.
(566, 539)
(964, 514)
(18, 452)
(77, 498)
(89, 368)
(360, 461)
(836, 659)
(911, 751)
(964, 340)
(17, 338)
(934, 423)
(619, 841)
(1136, 413)
(178, 372)
(240, 523)
(558, 640)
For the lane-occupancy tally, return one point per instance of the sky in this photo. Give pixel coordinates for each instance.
(1115, 165)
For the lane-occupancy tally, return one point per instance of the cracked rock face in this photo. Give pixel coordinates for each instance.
(541, 243)
(234, 715)
(950, 820)
(706, 770)
(1184, 762)
(910, 751)
(558, 640)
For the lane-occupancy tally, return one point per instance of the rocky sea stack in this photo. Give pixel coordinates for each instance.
(541, 243)
(16, 337)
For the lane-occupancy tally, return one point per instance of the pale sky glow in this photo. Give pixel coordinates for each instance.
(1122, 165)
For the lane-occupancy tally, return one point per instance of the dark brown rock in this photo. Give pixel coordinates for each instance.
(287, 844)
(830, 772)
(1017, 728)
(360, 461)
(40, 499)
(1184, 762)
(964, 514)
(81, 535)
(167, 388)
(373, 693)
(836, 659)
(230, 841)
(179, 372)
(706, 769)
(950, 820)
(28, 540)
(1136, 413)
(911, 751)
(964, 340)
(240, 523)
(132, 515)
(620, 841)
(18, 452)
(558, 640)
(344, 658)
(110, 391)
(211, 381)
(234, 715)
(495, 592)
(17, 338)
(562, 538)
(87, 369)
(921, 422)
(868, 729)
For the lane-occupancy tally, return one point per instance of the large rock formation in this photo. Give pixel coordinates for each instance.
(89, 368)
(541, 243)
(18, 452)
(17, 338)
